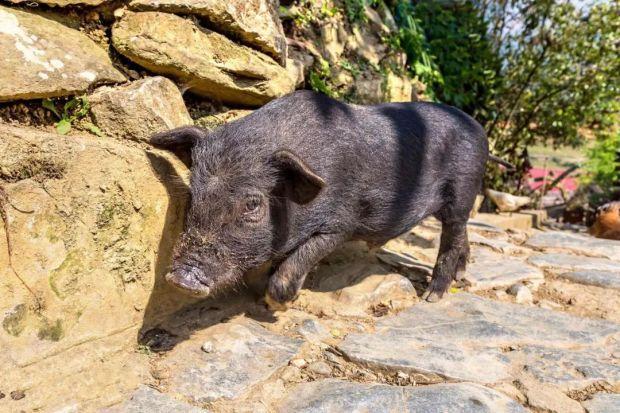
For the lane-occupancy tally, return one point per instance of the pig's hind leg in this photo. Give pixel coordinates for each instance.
(452, 256)
(287, 280)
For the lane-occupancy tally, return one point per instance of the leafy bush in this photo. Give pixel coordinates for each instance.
(603, 165)
(463, 55)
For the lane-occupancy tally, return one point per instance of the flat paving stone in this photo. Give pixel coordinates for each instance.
(603, 403)
(148, 400)
(491, 270)
(496, 244)
(568, 369)
(574, 262)
(464, 337)
(243, 354)
(606, 279)
(582, 243)
(336, 396)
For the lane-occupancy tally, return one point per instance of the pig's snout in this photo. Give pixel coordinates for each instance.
(189, 280)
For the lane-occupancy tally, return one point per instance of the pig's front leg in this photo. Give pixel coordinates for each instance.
(289, 277)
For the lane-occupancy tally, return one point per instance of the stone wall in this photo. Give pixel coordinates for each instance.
(90, 211)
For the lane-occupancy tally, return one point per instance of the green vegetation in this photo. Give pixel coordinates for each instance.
(531, 71)
(603, 165)
(412, 40)
(450, 52)
(319, 79)
(355, 10)
(72, 111)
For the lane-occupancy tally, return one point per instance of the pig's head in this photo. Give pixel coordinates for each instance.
(239, 193)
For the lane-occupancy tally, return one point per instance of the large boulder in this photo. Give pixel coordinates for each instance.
(207, 62)
(63, 3)
(91, 225)
(138, 110)
(42, 58)
(254, 22)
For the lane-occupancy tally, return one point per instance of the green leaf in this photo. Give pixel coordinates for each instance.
(93, 128)
(63, 126)
(49, 105)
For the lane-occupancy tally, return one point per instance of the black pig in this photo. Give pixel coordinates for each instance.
(298, 177)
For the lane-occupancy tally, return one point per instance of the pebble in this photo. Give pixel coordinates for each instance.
(367, 375)
(299, 363)
(500, 294)
(402, 375)
(17, 394)
(321, 368)
(2, 395)
(208, 347)
(118, 13)
(291, 374)
(522, 294)
(333, 358)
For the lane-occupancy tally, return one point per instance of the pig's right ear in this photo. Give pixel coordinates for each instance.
(303, 183)
(185, 136)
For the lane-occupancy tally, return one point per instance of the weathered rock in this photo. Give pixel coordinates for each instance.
(295, 71)
(522, 294)
(320, 368)
(491, 270)
(339, 396)
(584, 244)
(375, 289)
(548, 398)
(574, 262)
(366, 44)
(313, 331)
(207, 62)
(42, 58)
(498, 245)
(605, 279)
(216, 120)
(603, 403)
(92, 245)
(333, 37)
(568, 369)
(148, 400)
(369, 90)
(138, 110)
(63, 3)
(353, 289)
(254, 22)
(377, 88)
(245, 354)
(397, 88)
(507, 202)
(426, 337)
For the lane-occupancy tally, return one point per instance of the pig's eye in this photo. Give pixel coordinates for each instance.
(252, 205)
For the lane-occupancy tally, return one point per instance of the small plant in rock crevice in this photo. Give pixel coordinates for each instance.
(73, 110)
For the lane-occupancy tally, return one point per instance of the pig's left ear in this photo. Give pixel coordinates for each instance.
(305, 185)
(185, 136)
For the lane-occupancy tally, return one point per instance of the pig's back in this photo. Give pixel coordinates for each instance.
(385, 165)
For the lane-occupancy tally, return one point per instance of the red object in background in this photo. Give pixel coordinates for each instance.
(535, 179)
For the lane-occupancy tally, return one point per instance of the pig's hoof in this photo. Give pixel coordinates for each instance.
(431, 296)
(275, 305)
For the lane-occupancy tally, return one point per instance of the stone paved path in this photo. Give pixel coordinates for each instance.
(357, 339)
